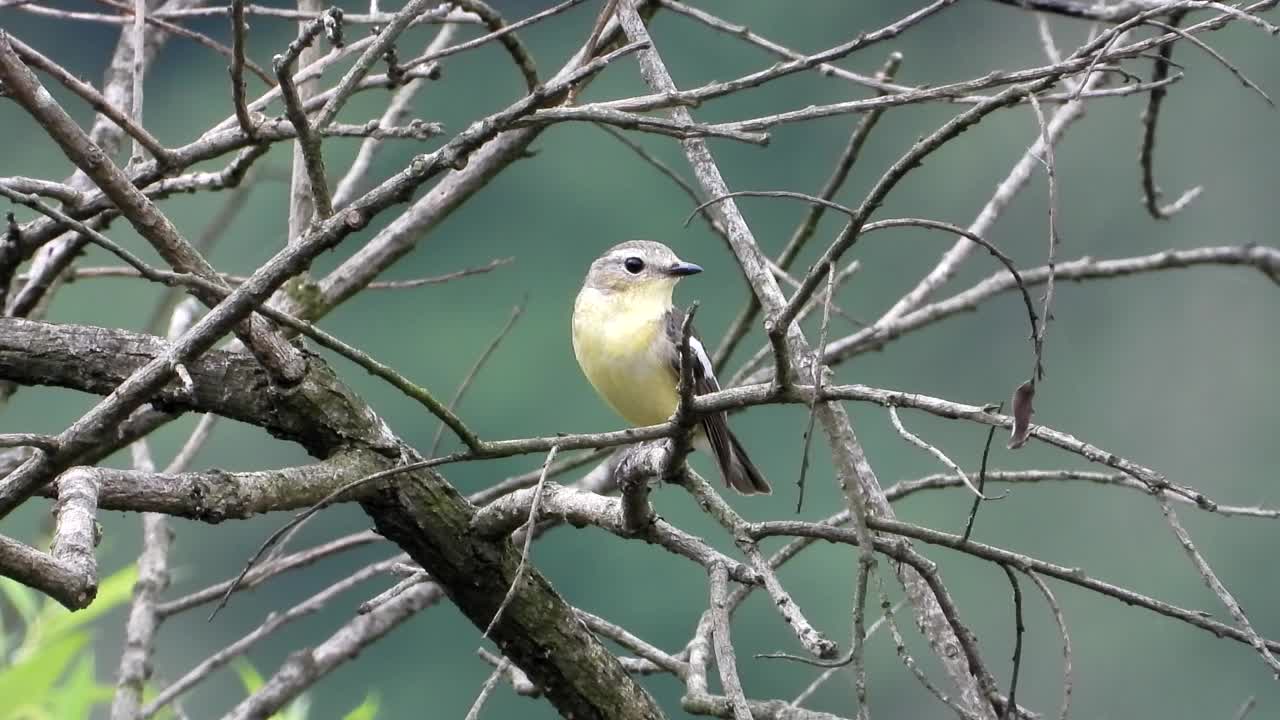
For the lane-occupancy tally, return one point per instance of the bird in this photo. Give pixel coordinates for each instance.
(627, 336)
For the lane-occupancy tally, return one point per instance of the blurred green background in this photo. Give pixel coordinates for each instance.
(1176, 371)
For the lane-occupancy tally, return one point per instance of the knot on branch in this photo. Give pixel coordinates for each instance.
(632, 472)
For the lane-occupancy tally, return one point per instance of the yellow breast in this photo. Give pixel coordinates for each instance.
(618, 341)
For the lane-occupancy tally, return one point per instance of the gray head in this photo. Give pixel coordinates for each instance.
(638, 265)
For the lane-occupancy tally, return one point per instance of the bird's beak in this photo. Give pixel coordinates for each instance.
(681, 269)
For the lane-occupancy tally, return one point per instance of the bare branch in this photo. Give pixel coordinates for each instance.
(725, 659)
(909, 662)
(710, 501)
(1068, 681)
(941, 456)
(809, 224)
(1070, 575)
(982, 481)
(1265, 259)
(1008, 188)
(397, 111)
(487, 689)
(273, 622)
(309, 156)
(361, 358)
(262, 574)
(1211, 580)
(381, 43)
(931, 482)
(144, 618)
(239, 28)
(142, 213)
(305, 667)
(88, 93)
(1018, 630)
(528, 541)
(580, 507)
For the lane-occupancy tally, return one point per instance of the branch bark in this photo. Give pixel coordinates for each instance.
(858, 480)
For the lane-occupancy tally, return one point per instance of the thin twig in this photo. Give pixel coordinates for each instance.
(1068, 678)
(628, 640)
(122, 118)
(487, 689)
(269, 626)
(265, 572)
(153, 19)
(93, 272)
(528, 541)
(398, 109)
(414, 579)
(830, 672)
(1018, 630)
(777, 331)
(441, 279)
(888, 611)
(1018, 177)
(520, 682)
(710, 501)
(1146, 152)
(470, 377)
(1265, 259)
(982, 481)
(1246, 707)
(819, 375)
(1211, 580)
(377, 49)
(352, 353)
(809, 224)
(941, 456)
(239, 28)
(1071, 575)
(195, 442)
(1244, 79)
(1046, 314)
(308, 138)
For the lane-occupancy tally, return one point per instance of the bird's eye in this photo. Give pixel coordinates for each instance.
(633, 265)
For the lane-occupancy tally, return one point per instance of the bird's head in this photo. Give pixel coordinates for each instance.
(643, 267)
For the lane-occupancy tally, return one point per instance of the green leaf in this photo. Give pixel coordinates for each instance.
(112, 592)
(149, 693)
(252, 681)
(28, 712)
(250, 678)
(297, 710)
(76, 697)
(365, 710)
(33, 677)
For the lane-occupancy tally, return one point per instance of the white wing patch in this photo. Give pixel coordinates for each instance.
(704, 360)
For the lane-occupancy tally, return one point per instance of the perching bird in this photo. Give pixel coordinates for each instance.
(626, 336)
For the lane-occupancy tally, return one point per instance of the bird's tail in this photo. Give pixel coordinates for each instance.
(739, 472)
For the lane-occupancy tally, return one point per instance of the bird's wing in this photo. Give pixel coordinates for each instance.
(716, 425)
(737, 470)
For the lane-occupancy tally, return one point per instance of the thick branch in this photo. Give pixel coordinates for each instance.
(270, 347)
(214, 495)
(68, 573)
